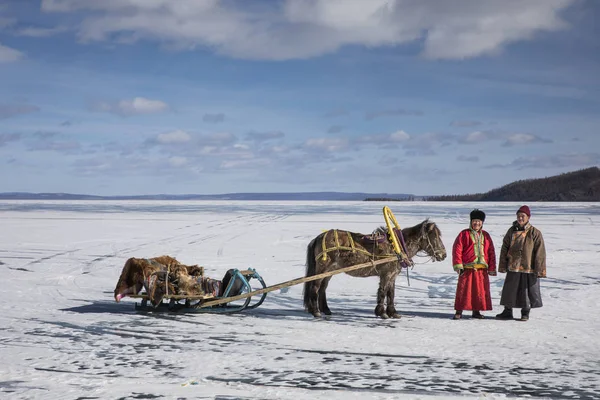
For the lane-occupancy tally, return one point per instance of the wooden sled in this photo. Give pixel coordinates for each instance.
(198, 304)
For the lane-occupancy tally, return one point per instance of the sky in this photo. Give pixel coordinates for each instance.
(129, 97)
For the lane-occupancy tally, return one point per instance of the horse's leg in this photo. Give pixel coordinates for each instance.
(311, 288)
(391, 293)
(313, 298)
(381, 294)
(323, 297)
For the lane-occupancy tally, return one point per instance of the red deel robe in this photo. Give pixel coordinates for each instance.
(474, 255)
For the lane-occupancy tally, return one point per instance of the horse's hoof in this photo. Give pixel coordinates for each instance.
(396, 315)
(384, 316)
(327, 312)
(317, 315)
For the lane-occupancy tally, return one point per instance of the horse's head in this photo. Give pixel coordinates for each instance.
(431, 241)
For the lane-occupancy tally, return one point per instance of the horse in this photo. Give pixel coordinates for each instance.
(337, 249)
(136, 271)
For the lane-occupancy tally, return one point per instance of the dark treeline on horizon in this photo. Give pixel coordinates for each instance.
(581, 185)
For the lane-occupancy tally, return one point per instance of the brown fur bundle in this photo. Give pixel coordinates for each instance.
(136, 270)
(180, 282)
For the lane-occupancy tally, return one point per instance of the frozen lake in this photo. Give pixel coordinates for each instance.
(63, 336)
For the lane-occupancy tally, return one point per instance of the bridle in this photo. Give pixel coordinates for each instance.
(430, 249)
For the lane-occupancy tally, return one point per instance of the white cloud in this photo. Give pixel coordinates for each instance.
(424, 144)
(141, 105)
(279, 149)
(8, 54)
(174, 137)
(219, 139)
(177, 161)
(523, 138)
(305, 28)
(11, 110)
(399, 136)
(476, 137)
(244, 163)
(9, 137)
(135, 106)
(569, 160)
(264, 136)
(240, 146)
(327, 144)
(464, 158)
(383, 140)
(484, 27)
(40, 32)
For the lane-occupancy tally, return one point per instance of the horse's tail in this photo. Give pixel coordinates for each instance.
(311, 269)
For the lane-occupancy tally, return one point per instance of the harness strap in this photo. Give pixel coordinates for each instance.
(351, 242)
(352, 248)
(324, 246)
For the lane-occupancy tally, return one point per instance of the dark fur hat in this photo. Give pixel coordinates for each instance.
(477, 214)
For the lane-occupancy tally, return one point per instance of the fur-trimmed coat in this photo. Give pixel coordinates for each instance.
(523, 250)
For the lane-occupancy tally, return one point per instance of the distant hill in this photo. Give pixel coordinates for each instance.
(317, 196)
(582, 185)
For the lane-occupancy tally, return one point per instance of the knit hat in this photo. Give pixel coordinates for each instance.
(477, 214)
(524, 210)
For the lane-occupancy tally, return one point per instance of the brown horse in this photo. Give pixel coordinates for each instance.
(337, 249)
(137, 270)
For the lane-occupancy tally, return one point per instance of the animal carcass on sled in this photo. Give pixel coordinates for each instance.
(165, 278)
(137, 271)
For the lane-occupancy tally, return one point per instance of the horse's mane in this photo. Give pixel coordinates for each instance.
(412, 230)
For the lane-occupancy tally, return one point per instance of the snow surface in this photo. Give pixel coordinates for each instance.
(62, 336)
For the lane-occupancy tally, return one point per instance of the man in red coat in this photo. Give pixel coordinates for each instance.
(473, 258)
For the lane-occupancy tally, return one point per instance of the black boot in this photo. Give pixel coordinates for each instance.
(458, 314)
(506, 314)
(525, 314)
(478, 315)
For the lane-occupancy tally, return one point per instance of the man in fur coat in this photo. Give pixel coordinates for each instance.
(523, 259)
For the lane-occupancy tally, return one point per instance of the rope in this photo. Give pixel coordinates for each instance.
(167, 280)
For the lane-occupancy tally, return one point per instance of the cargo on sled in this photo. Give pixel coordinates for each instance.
(165, 284)
(235, 283)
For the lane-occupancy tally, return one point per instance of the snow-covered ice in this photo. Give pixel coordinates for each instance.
(63, 336)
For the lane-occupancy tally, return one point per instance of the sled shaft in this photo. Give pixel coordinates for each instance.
(297, 281)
